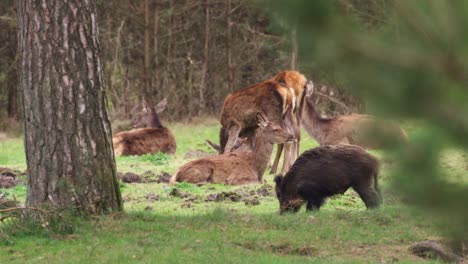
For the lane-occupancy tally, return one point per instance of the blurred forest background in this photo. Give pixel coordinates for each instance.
(194, 52)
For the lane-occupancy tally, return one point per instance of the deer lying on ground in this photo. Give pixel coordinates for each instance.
(357, 129)
(236, 167)
(279, 98)
(152, 139)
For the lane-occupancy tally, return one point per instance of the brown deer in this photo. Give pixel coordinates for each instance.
(357, 129)
(152, 139)
(279, 98)
(236, 167)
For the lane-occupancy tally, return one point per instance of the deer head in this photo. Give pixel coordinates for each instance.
(145, 116)
(272, 132)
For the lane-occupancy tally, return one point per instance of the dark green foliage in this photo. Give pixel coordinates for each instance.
(28, 221)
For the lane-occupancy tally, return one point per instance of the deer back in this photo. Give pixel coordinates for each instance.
(143, 141)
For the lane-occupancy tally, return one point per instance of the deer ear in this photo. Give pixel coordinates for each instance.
(309, 88)
(278, 179)
(262, 120)
(161, 106)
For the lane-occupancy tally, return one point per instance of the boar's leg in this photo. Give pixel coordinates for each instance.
(376, 187)
(314, 204)
(369, 195)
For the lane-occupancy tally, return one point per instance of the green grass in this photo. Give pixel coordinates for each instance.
(158, 227)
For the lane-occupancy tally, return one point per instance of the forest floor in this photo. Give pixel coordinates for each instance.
(225, 224)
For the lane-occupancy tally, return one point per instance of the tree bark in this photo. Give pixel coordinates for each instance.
(293, 62)
(67, 132)
(146, 66)
(12, 80)
(205, 59)
(228, 44)
(155, 47)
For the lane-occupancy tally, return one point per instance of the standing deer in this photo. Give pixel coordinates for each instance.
(279, 98)
(237, 167)
(152, 139)
(357, 129)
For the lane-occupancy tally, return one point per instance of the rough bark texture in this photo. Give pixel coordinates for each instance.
(146, 61)
(67, 133)
(206, 42)
(228, 45)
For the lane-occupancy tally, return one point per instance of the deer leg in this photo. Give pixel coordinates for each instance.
(298, 132)
(232, 138)
(279, 150)
(287, 158)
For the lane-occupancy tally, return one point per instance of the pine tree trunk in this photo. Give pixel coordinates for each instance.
(293, 62)
(146, 62)
(228, 45)
(67, 132)
(155, 48)
(206, 40)
(12, 93)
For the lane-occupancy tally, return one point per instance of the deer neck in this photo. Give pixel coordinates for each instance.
(316, 125)
(259, 158)
(155, 122)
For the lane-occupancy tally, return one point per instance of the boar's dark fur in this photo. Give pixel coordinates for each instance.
(325, 171)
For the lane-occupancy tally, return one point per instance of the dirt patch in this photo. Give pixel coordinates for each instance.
(252, 201)
(247, 195)
(266, 190)
(9, 178)
(151, 177)
(224, 196)
(164, 177)
(152, 197)
(176, 193)
(130, 177)
(280, 249)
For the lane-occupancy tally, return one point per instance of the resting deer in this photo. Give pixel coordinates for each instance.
(152, 139)
(236, 167)
(278, 98)
(357, 129)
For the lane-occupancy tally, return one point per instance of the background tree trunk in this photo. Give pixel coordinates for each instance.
(205, 58)
(12, 77)
(228, 44)
(146, 67)
(155, 49)
(293, 62)
(67, 133)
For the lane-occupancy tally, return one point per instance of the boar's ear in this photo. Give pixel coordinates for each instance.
(278, 179)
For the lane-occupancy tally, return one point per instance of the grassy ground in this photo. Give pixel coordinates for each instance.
(225, 224)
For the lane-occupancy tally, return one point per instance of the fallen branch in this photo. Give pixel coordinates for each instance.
(435, 250)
